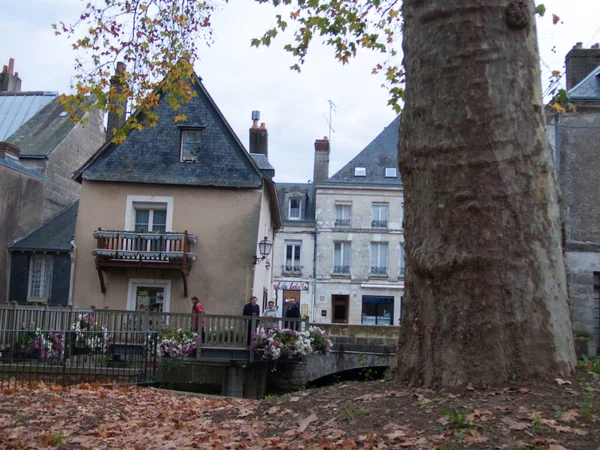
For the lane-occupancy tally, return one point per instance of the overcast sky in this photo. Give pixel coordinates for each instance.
(294, 106)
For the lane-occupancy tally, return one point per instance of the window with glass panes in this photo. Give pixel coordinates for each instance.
(380, 215)
(401, 262)
(191, 140)
(341, 258)
(40, 276)
(294, 211)
(343, 215)
(151, 219)
(379, 258)
(377, 310)
(292, 258)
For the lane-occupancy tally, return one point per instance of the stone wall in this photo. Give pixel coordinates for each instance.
(68, 156)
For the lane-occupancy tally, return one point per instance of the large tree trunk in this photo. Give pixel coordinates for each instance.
(486, 297)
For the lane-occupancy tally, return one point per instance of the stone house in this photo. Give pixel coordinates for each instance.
(175, 210)
(39, 138)
(293, 250)
(360, 253)
(575, 138)
(341, 247)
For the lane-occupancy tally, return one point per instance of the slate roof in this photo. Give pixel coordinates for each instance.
(309, 211)
(587, 89)
(16, 108)
(375, 157)
(54, 235)
(16, 165)
(152, 155)
(43, 132)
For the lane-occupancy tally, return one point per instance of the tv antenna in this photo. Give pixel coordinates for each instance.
(332, 107)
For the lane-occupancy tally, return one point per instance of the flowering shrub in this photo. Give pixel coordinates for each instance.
(319, 340)
(40, 344)
(89, 335)
(176, 342)
(284, 343)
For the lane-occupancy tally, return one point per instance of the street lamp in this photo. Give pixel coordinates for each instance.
(264, 247)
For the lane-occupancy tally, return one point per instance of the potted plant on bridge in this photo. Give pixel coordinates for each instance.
(285, 344)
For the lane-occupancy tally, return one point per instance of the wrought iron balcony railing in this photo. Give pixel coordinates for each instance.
(341, 270)
(379, 271)
(291, 270)
(379, 223)
(343, 222)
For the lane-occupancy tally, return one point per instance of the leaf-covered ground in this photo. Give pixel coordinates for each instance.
(554, 414)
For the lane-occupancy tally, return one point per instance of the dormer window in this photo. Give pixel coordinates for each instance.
(360, 171)
(295, 208)
(391, 172)
(191, 139)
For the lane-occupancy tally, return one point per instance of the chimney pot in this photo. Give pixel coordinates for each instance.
(9, 82)
(596, 45)
(578, 45)
(259, 137)
(117, 115)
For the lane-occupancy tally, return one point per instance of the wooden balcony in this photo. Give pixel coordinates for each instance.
(152, 250)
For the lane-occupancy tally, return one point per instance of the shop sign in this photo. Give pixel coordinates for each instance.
(291, 285)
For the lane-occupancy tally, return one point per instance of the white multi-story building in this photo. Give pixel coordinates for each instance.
(347, 252)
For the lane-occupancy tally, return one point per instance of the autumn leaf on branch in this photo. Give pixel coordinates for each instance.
(156, 41)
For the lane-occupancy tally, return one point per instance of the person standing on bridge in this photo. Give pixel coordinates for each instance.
(293, 312)
(272, 313)
(251, 308)
(197, 309)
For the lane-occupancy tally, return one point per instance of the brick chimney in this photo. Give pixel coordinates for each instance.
(116, 112)
(580, 61)
(7, 148)
(259, 136)
(9, 81)
(321, 168)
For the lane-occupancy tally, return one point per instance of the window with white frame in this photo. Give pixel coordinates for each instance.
(292, 258)
(341, 258)
(380, 215)
(343, 214)
(40, 276)
(402, 262)
(360, 171)
(391, 172)
(379, 258)
(295, 208)
(191, 140)
(149, 214)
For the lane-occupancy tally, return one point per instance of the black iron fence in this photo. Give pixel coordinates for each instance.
(77, 356)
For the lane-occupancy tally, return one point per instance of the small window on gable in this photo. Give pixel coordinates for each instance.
(191, 139)
(390, 172)
(360, 171)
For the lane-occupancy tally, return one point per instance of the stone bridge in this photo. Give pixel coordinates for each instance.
(355, 347)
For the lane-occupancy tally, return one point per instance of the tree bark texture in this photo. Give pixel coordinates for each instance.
(486, 297)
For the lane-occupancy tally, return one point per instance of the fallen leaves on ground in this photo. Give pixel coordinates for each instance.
(345, 416)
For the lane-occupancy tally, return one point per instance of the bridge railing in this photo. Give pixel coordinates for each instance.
(219, 330)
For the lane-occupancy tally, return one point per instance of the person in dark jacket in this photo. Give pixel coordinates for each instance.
(293, 312)
(249, 309)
